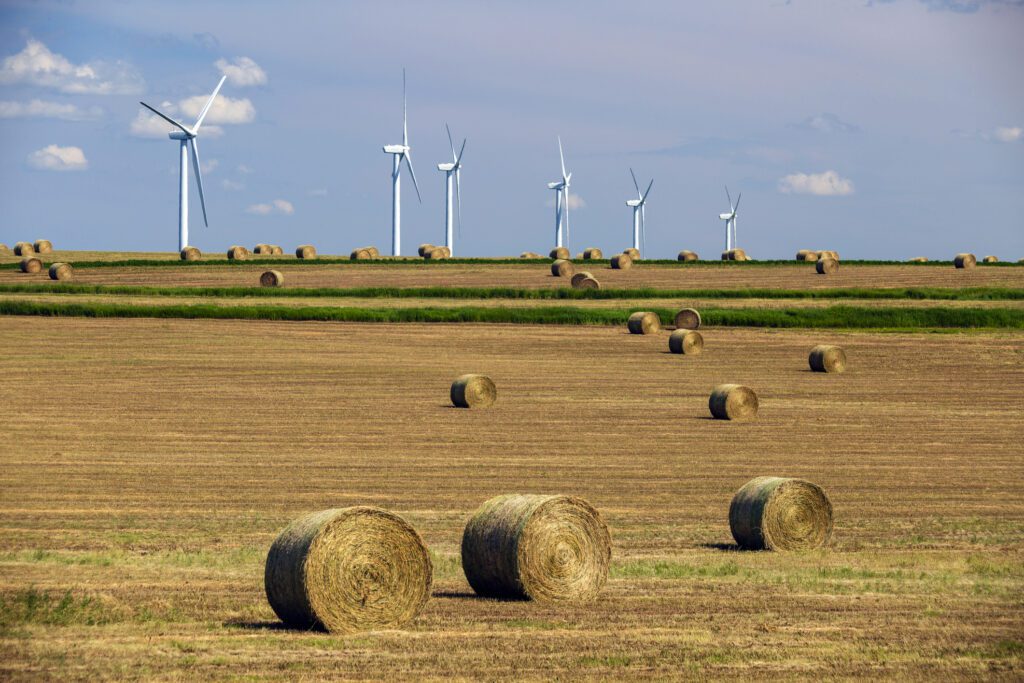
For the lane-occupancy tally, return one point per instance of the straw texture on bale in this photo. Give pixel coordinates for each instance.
(24, 249)
(436, 254)
(348, 570)
(687, 319)
(562, 268)
(827, 358)
(191, 254)
(632, 253)
(965, 260)
(579, 276)
(987, 259)
(263, 249)
(305, 251)
(237, 253)
(589, 283)
(43, 246)
(621, 262)
(473, 391)
(424, 248)
(530, 254)
(592, 253)
(831, 254)
(559, 253)
(60, 271)
(733, 402)
(30, 265)
(919, 259)
(375, 252)
(827, 265)
(359, 254)
(807, 255)
(271, 278)
(738, 255)
(5, 250)
(688, 342)
(777, 513)
(545, 548)
(643, 322)
(686, 255)
(276, 250)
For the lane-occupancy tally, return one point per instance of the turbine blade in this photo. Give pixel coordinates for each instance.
(408, 162)
(643, 197)
(405, 113)
(450, 143)
(209, 103)
(728, 197)
(737, 208)
(561, 156)
(458, 159)
(166, 118)
(199, 177)
(635, 183)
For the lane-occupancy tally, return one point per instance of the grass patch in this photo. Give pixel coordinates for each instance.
(665, 569)
(32, 606)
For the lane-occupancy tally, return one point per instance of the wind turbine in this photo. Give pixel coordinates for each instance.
(639, 224)
(730, 220)
(561, 200)
(399, 153)
(189, 137)
(451, 169)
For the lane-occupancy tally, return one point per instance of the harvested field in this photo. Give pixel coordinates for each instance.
(139, 502)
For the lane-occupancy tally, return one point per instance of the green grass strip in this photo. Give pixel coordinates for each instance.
(848, 317)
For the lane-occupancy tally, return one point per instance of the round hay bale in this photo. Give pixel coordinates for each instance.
(237, 253)
(424, 248)
(592, 254)
(5, 250)
(589, 283)
(562, 268)
(987, 259)
(191, 254)
(436, 254)
(643, 322)
(777, 513)
(43, 246)
(262, 249)
(276, 250)
(919, 259)
(30, 265)
(621, 262)
(827, 358)
(271, 278)
(374, 252)
(733, 402)
(632, 253)
(305, 251)
(544, 548)
(726, 255)
(827, 265)
(60, 271)
(738, 255)
(687, 255)
(473, 391)
(24, 249)
(834, 255)
(688, 342)
(579, 276)
(530, 254)
(965, 260)
(447, 251)
(687, 319)
(347, 570)
(805, 254)
(559, 253)
(359, 254)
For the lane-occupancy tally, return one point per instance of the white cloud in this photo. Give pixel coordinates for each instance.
(826, 184)
(276, 206)
(224, 110)
(229, 184)
(242, 72)
(284, 206)
(37, 65)
(575, 201)
(54, 158)
(40, 109)
(1008, 134)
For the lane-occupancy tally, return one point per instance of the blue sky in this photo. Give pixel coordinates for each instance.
(880, 129)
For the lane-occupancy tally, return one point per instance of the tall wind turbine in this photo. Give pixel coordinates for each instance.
(399, 153)
(189, 137)
(730, 220)
(639, 224)
(454, 168)
(561, 187)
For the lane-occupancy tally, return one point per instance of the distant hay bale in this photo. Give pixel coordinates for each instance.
(834, 255)
(447, 251)
(191, 254)
(5, 250)
(30, 265)
(592, 254)
(271, 278)
(530, 254)
(806, 255)
(263, 249)
(24, 249)
(237, 253)
(305, 251)
(473, 391)
(987, 259)
(622, 262)
(738, 255)
(562, 268)
(552, 549)
(687, 319)
(965, 260)
(688, 342)
(43, 246)
(727, 255)
(276, 250)
(632, 253)
(827, 358)
(559, 253)
(589, 283)
(60, 271)
(360, 254)
(687, 255)
(375, 252)
(347, 570)
(579, 256)
(579, 276)
(733, 402)
(919, 259)
(827, 265)
(424, 248)
(436, 254)
(777, 513)
(643, 322)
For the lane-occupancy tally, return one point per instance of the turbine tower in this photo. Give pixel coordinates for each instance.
(399, 153)
(561, 187)
(639, 224)
(189, 138)
(454, 168)
(730, 220)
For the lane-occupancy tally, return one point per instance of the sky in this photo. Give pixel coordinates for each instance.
(880, 129)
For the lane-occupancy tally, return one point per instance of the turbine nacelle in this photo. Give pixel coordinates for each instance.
(634, 202)
(396, 149)
(180, 135)
(558, 185)
(726, 216)
(446, 167)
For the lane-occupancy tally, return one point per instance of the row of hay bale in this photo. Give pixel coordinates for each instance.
(813, 256)
(579, 280)
(432, 252)
(968, 260)
(57, 271)
(27, 248)
(239, 253)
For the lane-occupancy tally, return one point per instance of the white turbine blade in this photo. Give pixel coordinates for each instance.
(561, 156)
(635, 183)
(199, 177)
(737, 207)
(405, 113)
(458, 159)
(166, 118)
(408, 162)
(728, 197)
(450, 143)
(458, 195)
(643, 197)
(209, 103)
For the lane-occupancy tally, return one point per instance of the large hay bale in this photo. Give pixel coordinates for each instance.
(24, 249)
(589, 283)
(60, 271)
(688, 342)
(592, 254)
(559, 253)
(347, 570)
(237, 253)
(919, 259)
(5, 250)
(436, 254)
(375, 252)
(43, 246)
(424, 248)
(632, 253)
(359, 254)
(562, 268)
(831, 254)
(474, 391)
(643, 322)
(987, 259)
(733, 402)
(827, 358)
(687, 319)
(687, 255)
(271, 278)
(827, 265)
(276, 250)
(777, 513)
(965, 260)
(543, 548)
(579, 276)
(621, 262)
(305, 251)
(191, 254)
(30, 265)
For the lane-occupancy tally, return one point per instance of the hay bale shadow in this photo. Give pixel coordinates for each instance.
(269, 626)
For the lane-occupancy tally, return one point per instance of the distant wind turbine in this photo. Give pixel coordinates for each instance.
(189, 138)
(400, 152)
(730, 220)
(561, 187)
(454, 168)
(638, 204)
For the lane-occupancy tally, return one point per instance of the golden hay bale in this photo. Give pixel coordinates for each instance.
(24, 249)
(589, 283)
(579, 277)
(349, 569)
(827, 358)
(562, 268)
(733, 402)
(424, 248)
(919, 259)
(965, 260)
(632, 253)
(5, 250)
(30, 265)
(271, 278)
(689, 342)
(43, 246)
(559, 253)
(778, 513)
(593, 253)
(276, 250)
(834, 255)
(61, 271)
(263, 249)
(237, 253)
(436, 254)
(687, 319)
(305, 251)
(473, 391)
(987, 259)
(687, 255)
(544, 548)
(827, 265)
(530, 254)
(360, 254)
(738, 255)
(806, 255)
(643, 322)
(447, 251)
(191, 254)
(621, 262)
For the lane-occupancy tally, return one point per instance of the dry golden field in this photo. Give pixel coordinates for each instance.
(148, 464)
